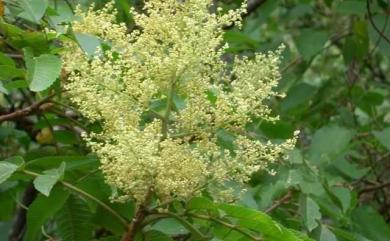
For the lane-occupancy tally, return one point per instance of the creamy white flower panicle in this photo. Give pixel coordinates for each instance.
(163, 95)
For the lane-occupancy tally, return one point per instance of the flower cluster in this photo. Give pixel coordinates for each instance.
(164, 96)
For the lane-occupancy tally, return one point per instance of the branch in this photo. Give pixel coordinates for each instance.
(15, 56)
(383, 30)
(69, 5)
(68, 185)
(122, 220)
(369, 13)
(197, 233)
(139, 217)
(227, 225)
(35, 107)
(280, 202)
(253, 5)
(19, 225)
(375, 187)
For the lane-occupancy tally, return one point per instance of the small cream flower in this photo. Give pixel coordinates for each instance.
(172, 60)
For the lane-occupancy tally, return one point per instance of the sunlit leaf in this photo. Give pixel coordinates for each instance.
(33, 10)
(45, 182)
(310, 212)
(383, 137)
(44, 71)
(9, 166)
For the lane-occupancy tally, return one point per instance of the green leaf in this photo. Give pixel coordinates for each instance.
(61, 14)
(329, 142)
(98, 188)
(10, 30)
(17, 160)
(225, 139)
(310, 212)
(5, 227)
(352, 7)
(373, 98)
(310, 42)
(383, 137)
(270, 192)
(222, 233)
(3, 89)
(42, 209)
(110, 238)
(380, 21)
(344, 234)
(277, 129)
(370, 223)
(89, 43)
(17, 84)
(66, 137)
(312, 187)
(326, 234)
(45, 182)
(8, 72)
(44, 71)
(109, 222)
(356, 46)
(349, 170)
(5, 60)
(7, 204)
(124, 10)
(33, 10)
(73, 220)
(201, 203)
(28, 54)
(344, 196)
(259, 222)
(295, 156)
(170, 226)
(298, 98)
(72, 162)
(239, 41)
(9, 166)
(154, 235)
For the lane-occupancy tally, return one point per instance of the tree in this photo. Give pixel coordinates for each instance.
(164, 121)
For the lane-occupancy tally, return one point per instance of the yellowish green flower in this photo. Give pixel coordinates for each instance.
(164, 95)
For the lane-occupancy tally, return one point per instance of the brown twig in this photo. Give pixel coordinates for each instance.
(291, 64)
(375, 187)
(16, 56)
(19, 225)
(33, 108)
(139, 217)
(369, 13)
(383, 30)
(280, 202)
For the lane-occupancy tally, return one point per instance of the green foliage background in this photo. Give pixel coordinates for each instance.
(334, 186)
